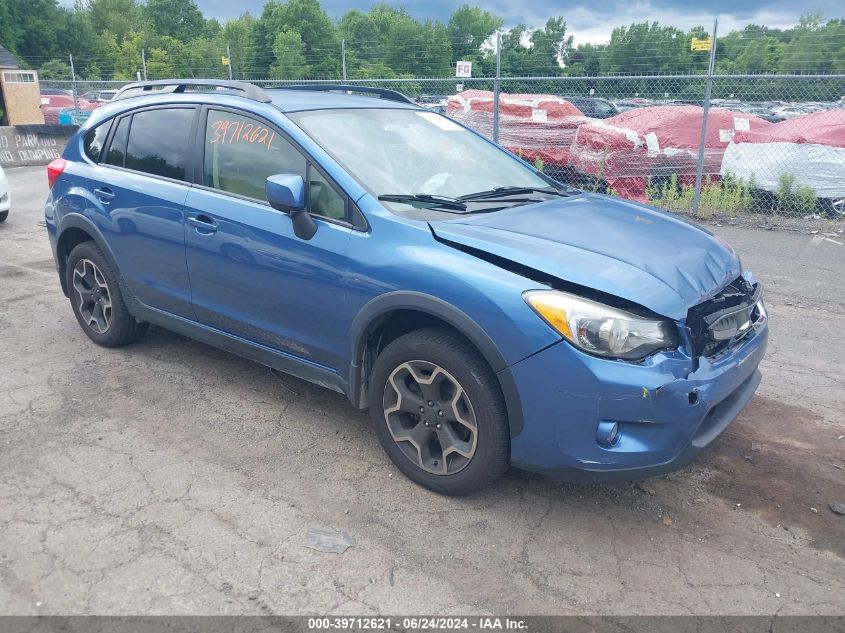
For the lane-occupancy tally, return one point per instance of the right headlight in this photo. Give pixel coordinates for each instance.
(600, 329)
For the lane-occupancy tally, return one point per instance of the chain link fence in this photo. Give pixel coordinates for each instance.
(710, 144)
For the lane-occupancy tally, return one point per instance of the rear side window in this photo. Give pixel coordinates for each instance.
(158, 142)
(241, 152)
(94, 141)
(117, 149)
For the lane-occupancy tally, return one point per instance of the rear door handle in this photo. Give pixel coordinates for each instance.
(203, 224)
(105, 194)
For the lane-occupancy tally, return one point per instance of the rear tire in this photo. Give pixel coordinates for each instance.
(4, 215)
(94, 289)
(439, 413)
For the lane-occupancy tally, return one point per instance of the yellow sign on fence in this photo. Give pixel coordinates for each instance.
(701, 44)
(224, 60)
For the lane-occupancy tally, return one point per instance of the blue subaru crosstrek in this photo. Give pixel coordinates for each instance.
(487, 315)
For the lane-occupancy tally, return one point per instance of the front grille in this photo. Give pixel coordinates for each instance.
(723, 321)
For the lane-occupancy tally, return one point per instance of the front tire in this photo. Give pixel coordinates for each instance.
(94, 289)
(4, 215)
(439, 413)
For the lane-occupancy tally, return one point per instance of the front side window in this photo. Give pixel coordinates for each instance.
(94, 141)
(158, 142)
(241, 152)
(398, 151)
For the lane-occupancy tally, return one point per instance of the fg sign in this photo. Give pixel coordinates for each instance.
(463, 69)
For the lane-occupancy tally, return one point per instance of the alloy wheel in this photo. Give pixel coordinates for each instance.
(93, 296)
(430, 417)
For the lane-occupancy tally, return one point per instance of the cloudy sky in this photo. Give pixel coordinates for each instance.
(588, 20)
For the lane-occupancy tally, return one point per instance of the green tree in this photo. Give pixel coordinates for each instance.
(29, 28)
(364, 40)
(815, 46)
(549, 47)
(469, 28)
(180, 19)
(117, 17)
(647, 48)
(237, 34)
(122, 59)
(308, 19)
(55, 69)
(289, 50)
(75, 35)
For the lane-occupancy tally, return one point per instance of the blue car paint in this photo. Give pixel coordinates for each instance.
(651, 401)
(587, 239)
(254, 278)
(146, 230)
(286, 191)
(312, 301)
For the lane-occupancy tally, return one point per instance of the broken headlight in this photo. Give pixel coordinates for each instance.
(600, 329)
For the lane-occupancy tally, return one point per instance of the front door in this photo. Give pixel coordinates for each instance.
(250, 275)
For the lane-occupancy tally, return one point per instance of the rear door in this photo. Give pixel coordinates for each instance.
(139, 189)
(250, 274)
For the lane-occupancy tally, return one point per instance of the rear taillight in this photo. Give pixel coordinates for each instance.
(54, 170)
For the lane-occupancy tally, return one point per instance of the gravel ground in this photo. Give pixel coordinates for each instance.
(172, 478)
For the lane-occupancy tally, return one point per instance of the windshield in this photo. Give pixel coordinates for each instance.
(396, 152)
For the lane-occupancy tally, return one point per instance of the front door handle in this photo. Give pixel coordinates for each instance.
(105, 194)
(203, 224)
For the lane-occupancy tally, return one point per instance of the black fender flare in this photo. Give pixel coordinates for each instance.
(456, 318)
(79, 221)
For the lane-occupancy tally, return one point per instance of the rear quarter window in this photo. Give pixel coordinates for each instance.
(117, 149)
(94, 140)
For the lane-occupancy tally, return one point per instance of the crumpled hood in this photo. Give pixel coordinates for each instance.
(608, 244)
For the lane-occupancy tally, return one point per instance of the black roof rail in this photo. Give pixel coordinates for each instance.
(248, 90)
(381, 93)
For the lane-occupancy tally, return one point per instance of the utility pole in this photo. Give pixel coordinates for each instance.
(497, 87)
(73, 81)
(229, 57)
(144, 62)
(343, 56)
(708, 88)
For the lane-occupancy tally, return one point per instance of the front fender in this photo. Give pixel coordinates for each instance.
(459, 320)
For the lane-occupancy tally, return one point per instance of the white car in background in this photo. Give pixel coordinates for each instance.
(5, 196)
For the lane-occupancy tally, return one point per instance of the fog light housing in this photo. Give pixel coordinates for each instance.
(607, 433)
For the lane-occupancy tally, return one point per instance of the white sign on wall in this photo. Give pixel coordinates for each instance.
(463, 69)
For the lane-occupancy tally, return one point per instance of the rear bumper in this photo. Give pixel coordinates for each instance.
(666, 413)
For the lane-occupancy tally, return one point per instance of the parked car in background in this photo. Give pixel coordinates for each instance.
(764, 113)
(56, 91)
(791, 112)
(433, 103)
(486, 315)
(99, 96)
(623, 105)
(539, 128)
(656, 144)
(802, 152)
(5, 197)
(594, 107)
(53, 105)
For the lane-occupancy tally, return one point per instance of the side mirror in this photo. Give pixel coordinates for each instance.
(286, 192)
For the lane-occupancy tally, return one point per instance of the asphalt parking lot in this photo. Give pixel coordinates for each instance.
(169, 478)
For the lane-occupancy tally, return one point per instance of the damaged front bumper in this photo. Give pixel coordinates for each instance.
(664, 410)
